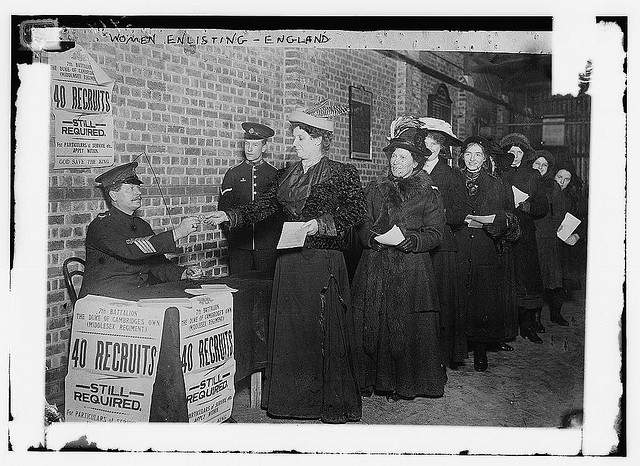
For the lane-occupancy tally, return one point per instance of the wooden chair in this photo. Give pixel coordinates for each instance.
(69, 275)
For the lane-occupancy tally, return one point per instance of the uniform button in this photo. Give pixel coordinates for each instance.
(473, 212)
(471, 236)
(469, 260)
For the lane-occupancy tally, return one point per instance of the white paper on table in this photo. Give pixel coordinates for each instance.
(293, 235)
(519, 196)
(568, 226)
(217, 288)
(195, 291)
(393, 237)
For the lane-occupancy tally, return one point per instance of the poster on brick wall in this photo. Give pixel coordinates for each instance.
(208, 364)
(113, 359)
(81, 105)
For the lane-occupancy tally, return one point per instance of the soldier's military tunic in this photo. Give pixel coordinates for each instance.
(123, 254)
(253, 246)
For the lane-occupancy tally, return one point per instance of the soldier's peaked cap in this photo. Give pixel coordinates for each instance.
(121, 174)
(256, 131)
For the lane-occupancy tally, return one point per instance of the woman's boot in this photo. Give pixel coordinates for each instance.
(537, 324)
(555, 307)
(526, 326)
(480, 362)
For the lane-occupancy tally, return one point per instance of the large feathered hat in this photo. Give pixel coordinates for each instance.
(318, 115)
(407, 134)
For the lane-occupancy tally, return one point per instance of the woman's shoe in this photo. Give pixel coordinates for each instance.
(393, 398)
(530, 335)
(558, 319)
(366, 392)
(504, 347)
(480, 362)
(537, 324)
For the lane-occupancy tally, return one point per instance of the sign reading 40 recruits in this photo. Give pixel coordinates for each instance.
(207, 353)
(81, 102)
(113, 359)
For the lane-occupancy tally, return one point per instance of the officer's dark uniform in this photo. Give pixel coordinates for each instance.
(252, 247)
(122, 251)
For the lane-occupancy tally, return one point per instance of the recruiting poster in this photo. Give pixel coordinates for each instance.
(113, 358)
(81, 103)
(207, 349)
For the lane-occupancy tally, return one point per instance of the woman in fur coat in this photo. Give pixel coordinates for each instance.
(394, 291)
(310, 368)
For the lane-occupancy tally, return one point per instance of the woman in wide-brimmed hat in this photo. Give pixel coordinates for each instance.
(438, 139)
(484, 257)
(394, 292)
(310, 367)
(526, 179)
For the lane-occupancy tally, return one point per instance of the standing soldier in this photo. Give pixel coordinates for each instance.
(252, 247)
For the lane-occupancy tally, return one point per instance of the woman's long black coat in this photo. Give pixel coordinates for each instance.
(525, 250)
(487, 278)
(445, 265)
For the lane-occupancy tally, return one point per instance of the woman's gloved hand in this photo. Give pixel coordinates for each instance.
(375, 245)
(409, 244)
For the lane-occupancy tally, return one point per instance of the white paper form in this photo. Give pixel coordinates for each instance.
(477, 221)
(519, 196)
(210, 289)
(568, 226)
(293, 235)
(393, 237)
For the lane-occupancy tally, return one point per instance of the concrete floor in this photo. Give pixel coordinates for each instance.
(533, 386)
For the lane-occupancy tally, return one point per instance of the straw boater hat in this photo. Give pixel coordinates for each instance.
(519, 140)
(317, 115)
(440, 126)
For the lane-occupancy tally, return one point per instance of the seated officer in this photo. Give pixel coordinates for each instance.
(252, 247)
(122, 251)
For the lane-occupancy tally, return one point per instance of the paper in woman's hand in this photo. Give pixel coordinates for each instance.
(519, 196)
(393, 237)
(293, 235)
(478, 221)
(568, 226)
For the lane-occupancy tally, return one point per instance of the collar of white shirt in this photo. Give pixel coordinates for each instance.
(429, 164)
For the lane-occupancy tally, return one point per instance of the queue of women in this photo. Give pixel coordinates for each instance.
(469, 271)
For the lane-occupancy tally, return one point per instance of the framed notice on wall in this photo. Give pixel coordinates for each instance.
(360, 102)
(439, 104)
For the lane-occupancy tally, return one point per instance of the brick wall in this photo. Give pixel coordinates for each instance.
(183, 107)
